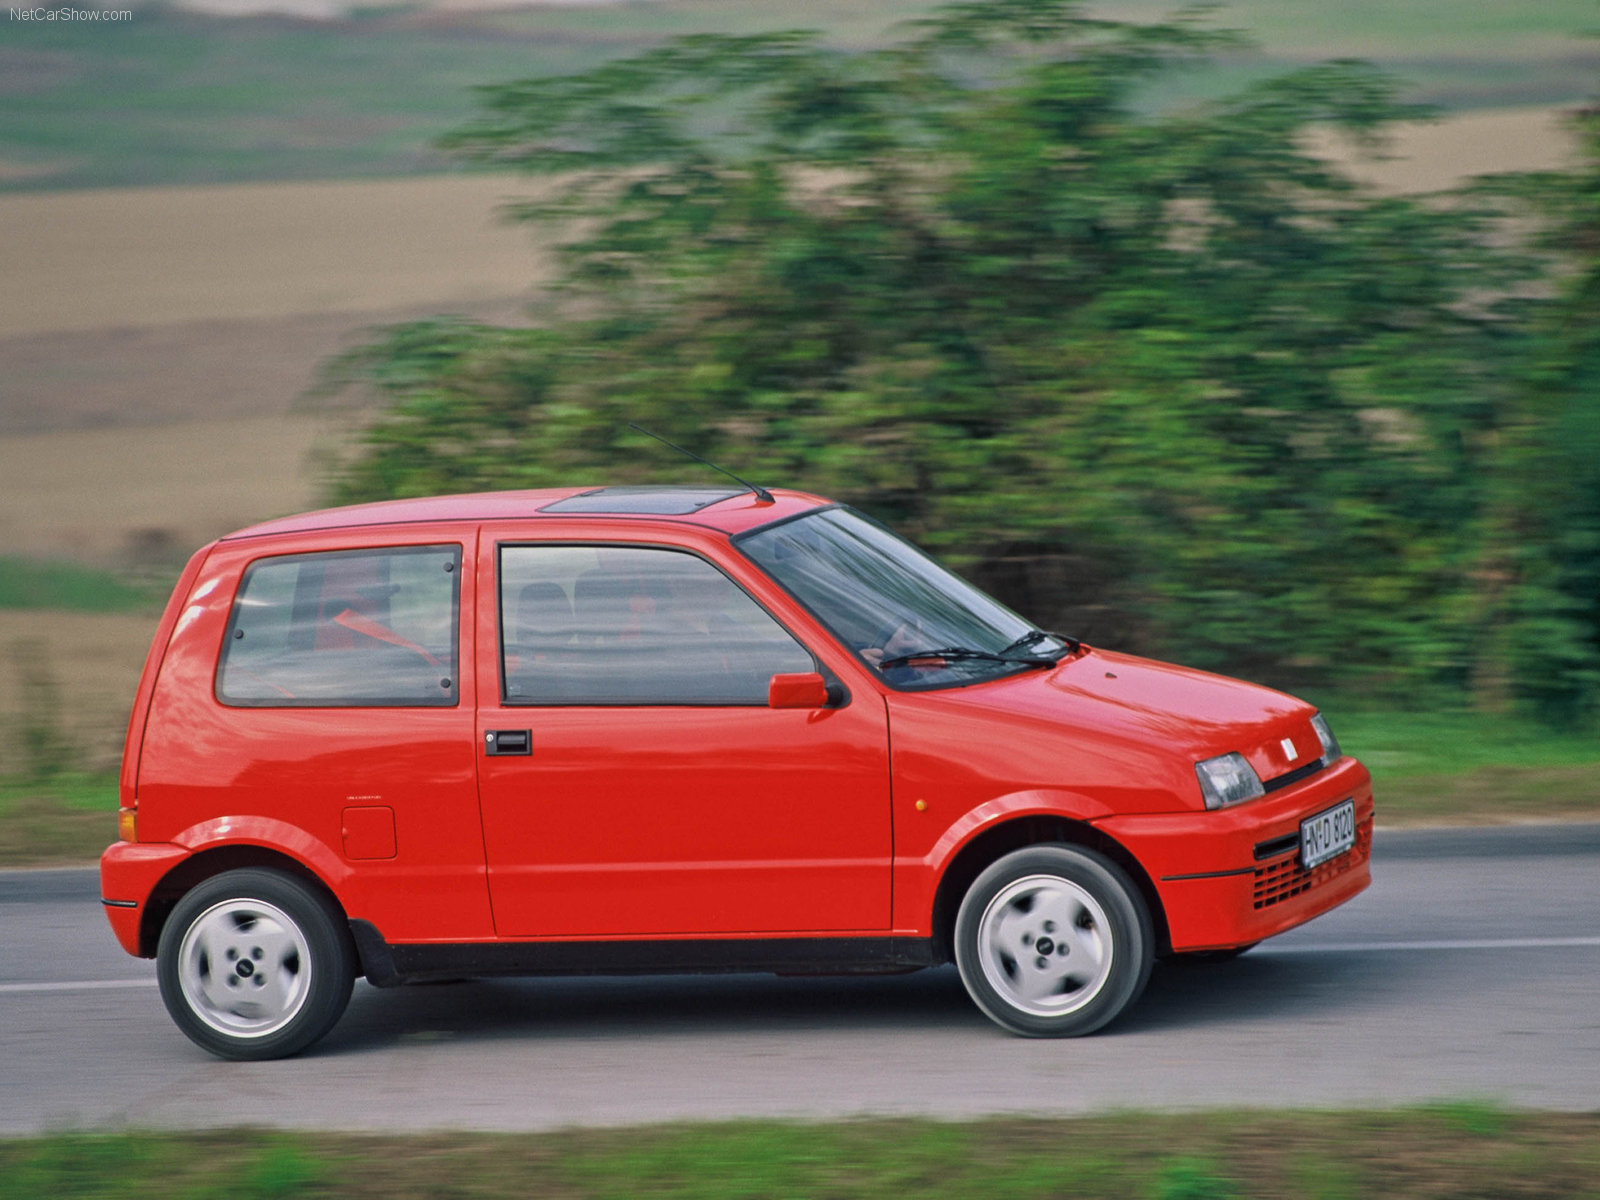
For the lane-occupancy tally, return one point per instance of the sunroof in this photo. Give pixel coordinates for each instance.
(652, 501)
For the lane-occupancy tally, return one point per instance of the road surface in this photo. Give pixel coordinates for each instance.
(1471, 969)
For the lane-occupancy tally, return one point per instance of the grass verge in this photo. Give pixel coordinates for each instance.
(62, 821)
(1458, 1150)
(34, 584)
(1462, 768)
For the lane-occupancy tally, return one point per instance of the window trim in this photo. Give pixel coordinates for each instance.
(235, 612)
(507, 701)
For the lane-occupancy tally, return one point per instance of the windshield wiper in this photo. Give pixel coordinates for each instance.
(960, 653)
(1033, 635)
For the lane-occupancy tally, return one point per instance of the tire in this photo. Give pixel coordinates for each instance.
(1092, 923)
(254, 964)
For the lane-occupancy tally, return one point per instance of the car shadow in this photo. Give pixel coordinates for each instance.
(649, 1006)
(1265, 986)
(1181, 994)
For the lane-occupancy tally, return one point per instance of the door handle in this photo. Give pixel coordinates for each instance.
(508, 741)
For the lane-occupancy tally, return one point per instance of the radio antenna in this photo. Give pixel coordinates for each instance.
(761, 493)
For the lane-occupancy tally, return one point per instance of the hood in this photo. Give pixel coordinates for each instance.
(1196, 714)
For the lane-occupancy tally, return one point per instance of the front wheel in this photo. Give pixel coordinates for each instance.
(1053, 941)
(254, 964)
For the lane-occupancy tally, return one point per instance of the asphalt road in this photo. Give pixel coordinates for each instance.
(1471, 969)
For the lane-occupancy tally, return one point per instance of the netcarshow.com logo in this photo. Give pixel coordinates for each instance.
(72, 14)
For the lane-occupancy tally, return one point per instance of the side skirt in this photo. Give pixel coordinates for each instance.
(387, 965)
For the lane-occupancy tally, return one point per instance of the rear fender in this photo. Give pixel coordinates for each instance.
(268, 833)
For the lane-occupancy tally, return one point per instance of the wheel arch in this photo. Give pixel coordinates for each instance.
(206, 864)
(1001, 839)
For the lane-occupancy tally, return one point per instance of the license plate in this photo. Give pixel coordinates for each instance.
(1328, 834)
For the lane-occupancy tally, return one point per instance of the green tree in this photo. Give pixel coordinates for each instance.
(1160, 377)
(1541, 549)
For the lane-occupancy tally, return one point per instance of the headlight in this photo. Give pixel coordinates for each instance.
(1228, 779)
(1330, 744)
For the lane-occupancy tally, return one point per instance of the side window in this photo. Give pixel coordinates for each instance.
(625, 625)
(367, 628)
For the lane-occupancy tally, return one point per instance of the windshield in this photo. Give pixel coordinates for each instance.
(887, 601)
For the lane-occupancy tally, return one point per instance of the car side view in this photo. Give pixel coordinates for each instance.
(663, 729)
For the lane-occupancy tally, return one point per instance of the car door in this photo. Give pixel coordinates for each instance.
(634, 781)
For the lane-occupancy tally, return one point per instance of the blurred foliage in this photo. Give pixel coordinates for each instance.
(1545, 500)
(1161, 379)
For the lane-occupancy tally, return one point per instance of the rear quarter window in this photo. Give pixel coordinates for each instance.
(346, 628)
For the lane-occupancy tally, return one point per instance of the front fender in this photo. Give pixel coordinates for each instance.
(917, 876)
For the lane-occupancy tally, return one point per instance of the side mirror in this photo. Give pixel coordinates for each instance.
(805, 690)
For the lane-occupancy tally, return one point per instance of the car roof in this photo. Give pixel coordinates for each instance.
(731, 510)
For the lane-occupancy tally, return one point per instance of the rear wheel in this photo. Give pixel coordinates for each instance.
(254, 964)
(1053, 941)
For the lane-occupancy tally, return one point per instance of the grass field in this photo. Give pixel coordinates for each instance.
(125, 375)
(91, 662)
(106, 495)
(114, 259)
(67, 587)
(67, 822)
(1459, 768)
(175, 97)
(1458, 1150)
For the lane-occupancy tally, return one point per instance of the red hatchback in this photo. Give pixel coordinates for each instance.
(682, 729)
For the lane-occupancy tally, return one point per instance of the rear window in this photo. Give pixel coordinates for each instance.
(368, 627)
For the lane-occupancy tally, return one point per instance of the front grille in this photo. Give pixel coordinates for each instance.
(1277, 846)
(1287, 879)
(1294, 776)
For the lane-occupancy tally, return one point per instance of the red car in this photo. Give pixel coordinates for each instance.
(650, 729)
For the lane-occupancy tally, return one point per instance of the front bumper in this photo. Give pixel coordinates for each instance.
(1215, 890)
